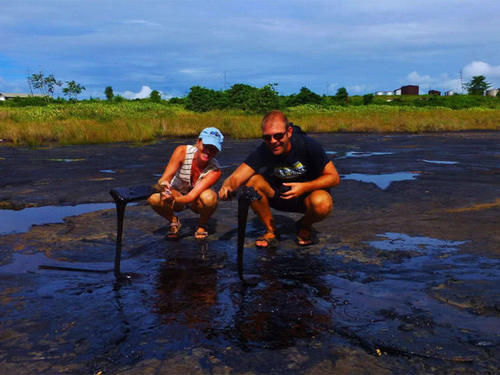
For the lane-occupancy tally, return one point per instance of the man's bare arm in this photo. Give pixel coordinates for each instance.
(235, 180)
(329, 178)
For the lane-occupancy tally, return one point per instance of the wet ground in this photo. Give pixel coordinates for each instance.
(404, 278)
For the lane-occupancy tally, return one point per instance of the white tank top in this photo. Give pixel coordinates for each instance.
(182, 179)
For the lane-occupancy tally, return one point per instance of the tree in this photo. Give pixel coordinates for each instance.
(155, 96)
(45, 84)
(305, 96)
(240, 95)
(367, 99)
(201, 99)
(73, 89)
(176, 100)
(264, 99)
(108, 91)
(342, 96)
(477, 85)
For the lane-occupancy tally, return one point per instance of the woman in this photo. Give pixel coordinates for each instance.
(187, 179)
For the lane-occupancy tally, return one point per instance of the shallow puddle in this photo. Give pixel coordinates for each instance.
(12, 221)
(383, 181)
(22, 263)
(401, 241)
(440, 162)
(356, 154)
(67, 160)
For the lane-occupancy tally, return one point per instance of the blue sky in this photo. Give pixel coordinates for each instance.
(167, 45)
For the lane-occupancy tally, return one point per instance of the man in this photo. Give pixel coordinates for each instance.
(291, 172)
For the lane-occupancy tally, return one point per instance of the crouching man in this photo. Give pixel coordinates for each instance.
(291, 172)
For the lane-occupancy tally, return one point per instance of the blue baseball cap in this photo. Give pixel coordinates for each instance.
(212, 136)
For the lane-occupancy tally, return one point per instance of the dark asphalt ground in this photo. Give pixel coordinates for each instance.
(404, 277)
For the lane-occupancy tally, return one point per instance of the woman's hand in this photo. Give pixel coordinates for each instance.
(165, 193)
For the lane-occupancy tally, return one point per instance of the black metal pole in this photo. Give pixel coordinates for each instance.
(246, 195)
(243, 204)
(120, 214)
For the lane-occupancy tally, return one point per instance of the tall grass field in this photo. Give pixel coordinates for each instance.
(136, 121)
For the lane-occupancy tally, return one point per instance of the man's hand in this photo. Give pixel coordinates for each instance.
(296, 189)
(235, 180)
(225, 193)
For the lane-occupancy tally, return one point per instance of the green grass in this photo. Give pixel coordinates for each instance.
(137, 121)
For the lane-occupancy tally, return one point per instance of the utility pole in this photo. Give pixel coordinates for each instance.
(461, 82)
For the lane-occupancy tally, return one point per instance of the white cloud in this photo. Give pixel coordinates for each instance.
(480, 68)
(142, 94)
(417, 79)
(173, 45)
(428, 82)
(331, 88)
(358, 89)
(142, 22)
(445, 82)
(194, 71)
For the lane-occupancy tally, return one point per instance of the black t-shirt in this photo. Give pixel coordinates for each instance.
(305, 161)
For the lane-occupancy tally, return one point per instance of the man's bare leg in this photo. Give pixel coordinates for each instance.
(318, 204)
(262, 209)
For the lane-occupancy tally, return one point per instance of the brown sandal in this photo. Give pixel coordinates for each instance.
(269, 239)
(173, 229)
(304, 235)
(201, 233)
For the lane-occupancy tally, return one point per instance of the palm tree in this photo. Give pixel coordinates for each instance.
(477, 85)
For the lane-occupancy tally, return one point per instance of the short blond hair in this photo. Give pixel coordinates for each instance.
(274, 115)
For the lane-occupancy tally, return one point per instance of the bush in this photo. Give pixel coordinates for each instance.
(367, 99)
(201, 99)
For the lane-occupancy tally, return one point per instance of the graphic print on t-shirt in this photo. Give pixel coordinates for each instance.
(288, 172)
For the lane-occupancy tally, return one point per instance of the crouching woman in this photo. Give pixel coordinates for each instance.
(187, 180)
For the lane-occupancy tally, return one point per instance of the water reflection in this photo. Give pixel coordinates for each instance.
(197, 298)
(186, 291)
(291, 303)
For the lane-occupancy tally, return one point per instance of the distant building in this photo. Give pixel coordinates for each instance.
(388, 93)
(434, 92)
(492, 92)
(7, 96)
(378, 93)
(450, 93)
(409, 90)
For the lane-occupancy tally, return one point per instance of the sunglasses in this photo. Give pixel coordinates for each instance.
(276, 136)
